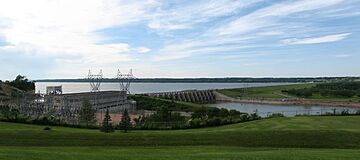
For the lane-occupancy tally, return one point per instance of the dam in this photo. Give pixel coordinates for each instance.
(194, 96)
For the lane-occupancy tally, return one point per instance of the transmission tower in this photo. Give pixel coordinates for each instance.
(125, 80)
(95, 81)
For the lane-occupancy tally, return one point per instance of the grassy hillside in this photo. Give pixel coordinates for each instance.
(275, 92)
(318, 132)
(278, 138)
(263, 92)
(6, 90)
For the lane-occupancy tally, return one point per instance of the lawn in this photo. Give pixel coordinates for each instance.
(174, 153)
(277, 138)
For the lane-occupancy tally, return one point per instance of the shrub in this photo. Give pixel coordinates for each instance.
(42, 121)
(234, 112)
(357, 112)
(214, 121)
(47, 128)
(244, 117)
(345, 112)
(194, 123)
(254, 116)
(274, 115)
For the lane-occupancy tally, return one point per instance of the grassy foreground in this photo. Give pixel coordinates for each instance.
(278, 138)
(174, 153)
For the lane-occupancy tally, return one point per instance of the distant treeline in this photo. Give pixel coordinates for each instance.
(215, 80)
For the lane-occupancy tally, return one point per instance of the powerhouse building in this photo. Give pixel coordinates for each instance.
(115, 101)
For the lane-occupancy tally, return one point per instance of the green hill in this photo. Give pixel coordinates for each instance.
(278, 138)
(7, 90)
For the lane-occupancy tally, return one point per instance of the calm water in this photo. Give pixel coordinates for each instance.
(147, 87)
(287, 110)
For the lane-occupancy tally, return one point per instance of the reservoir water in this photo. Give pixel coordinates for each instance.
(287, 110)
(135, 88)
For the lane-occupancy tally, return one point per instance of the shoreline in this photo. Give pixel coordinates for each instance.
(296, 102)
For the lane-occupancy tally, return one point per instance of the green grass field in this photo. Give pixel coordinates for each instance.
(274, 92)
(263, 92)
(278, 138)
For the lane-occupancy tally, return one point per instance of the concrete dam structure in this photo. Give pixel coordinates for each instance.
(194, 96)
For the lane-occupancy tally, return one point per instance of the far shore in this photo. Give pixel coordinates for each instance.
(297, 102)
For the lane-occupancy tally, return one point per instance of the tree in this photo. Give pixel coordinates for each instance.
(87, 113)
(21, 82)
(14, 113)
(125, 123)
(106, 125)
(5, 111)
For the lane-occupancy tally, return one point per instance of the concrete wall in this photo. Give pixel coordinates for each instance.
(194, 96)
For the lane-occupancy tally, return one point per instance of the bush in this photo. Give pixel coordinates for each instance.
(345, 112)
(234, 112)
(357, 112)
(214, 121)
(274, 115)
(254, 116)
(42, 121)
(194, 123)
(244, 117)
(47, 128)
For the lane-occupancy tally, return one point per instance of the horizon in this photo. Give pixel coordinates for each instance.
(110, 78)
(63, 39)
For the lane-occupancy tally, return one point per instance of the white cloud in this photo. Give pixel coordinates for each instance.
(142, 50)
(271, 33)
(269, 16)
(315, 40)
(200, 46)
(67, 27)
(342, 55)
(186, 15)
(256, 25)
(68, 31)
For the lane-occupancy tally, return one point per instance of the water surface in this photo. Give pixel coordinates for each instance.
(288, 110)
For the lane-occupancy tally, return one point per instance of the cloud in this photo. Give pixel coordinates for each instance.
(200, 46)
(70, 32)
(275, 20)
(270, 16)
(187, 15)
(142, 50)
(66, 27)
(342, 55)
(315, 40)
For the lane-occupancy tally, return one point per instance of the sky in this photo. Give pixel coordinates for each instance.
(44, 39)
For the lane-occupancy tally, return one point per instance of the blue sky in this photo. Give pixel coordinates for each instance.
(202, 38)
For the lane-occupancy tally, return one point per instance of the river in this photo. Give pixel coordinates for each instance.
(288, 110)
